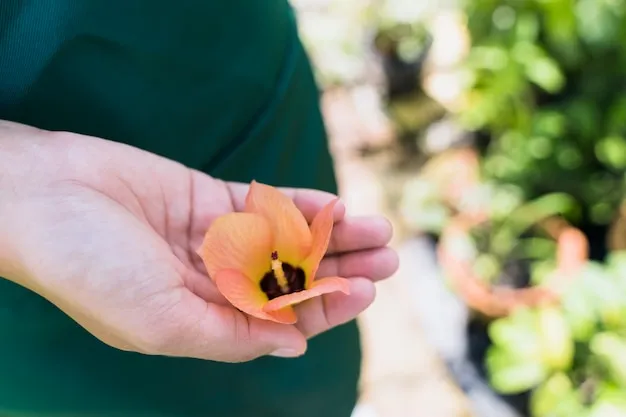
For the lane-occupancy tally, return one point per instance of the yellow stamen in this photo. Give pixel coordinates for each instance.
(277, 268)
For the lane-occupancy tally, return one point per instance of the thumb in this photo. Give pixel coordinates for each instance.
(224, 334)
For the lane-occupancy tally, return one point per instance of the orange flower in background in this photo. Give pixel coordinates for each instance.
(264, 260)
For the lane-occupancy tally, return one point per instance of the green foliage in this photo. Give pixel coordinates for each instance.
(546, 85)
(513, 233)
(573, 355)
(528, 346)
(422, 207)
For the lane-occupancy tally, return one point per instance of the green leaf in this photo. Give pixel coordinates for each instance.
(569, 156)
(616, 267)
(616, 261)
(517, 334)
(593, 296)
(598, 25)
(555, 398)
(527, 27)
(536, 248)
(611, 150)
(611, 350)
(422, 206)
(487, 266)
(540, 147)
(560, 26)
(580, 312)
(606, 294)
(546, 73)
(508, 375)
(557, 345)
(489, 57)
(504, 199)
(609, 406)
(526, 216)
(542, 270)
(549, 123)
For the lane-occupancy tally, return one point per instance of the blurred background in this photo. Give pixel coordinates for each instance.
(493, 134)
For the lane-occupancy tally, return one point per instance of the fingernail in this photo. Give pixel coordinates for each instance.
(285, 353)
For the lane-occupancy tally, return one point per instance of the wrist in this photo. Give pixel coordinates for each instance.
(9, 182)
(18, 173)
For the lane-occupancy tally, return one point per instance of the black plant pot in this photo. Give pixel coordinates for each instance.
(402, 78)
(597, 235)
(402, 85)
(517, 275)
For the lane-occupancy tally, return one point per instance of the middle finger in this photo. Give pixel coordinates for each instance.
(374, 264)
(359, 233)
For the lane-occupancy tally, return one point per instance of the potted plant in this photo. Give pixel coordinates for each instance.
(402, 49)
(489, 259)
(571, 355)
(516, 255)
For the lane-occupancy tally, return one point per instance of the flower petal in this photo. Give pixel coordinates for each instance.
(239, 241)
(319, 287)
(247, 296)
(321, 229)
(292, 237)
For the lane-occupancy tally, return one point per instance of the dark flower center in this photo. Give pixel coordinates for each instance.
(294, 278)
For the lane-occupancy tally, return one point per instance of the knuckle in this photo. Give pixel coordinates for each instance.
(241, 331)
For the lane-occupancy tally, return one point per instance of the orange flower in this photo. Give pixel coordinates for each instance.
(264, 260)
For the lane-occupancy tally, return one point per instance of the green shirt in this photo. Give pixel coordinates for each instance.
(221, 86)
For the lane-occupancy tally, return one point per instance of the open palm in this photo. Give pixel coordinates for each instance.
(109, 234)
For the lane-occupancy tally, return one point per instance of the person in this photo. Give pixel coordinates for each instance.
(128, 127)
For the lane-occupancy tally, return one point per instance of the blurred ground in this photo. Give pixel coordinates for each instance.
(403, 375)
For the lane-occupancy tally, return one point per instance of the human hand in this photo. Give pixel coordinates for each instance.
(109, 234)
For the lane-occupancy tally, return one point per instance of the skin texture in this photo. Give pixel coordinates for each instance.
(109, 234)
